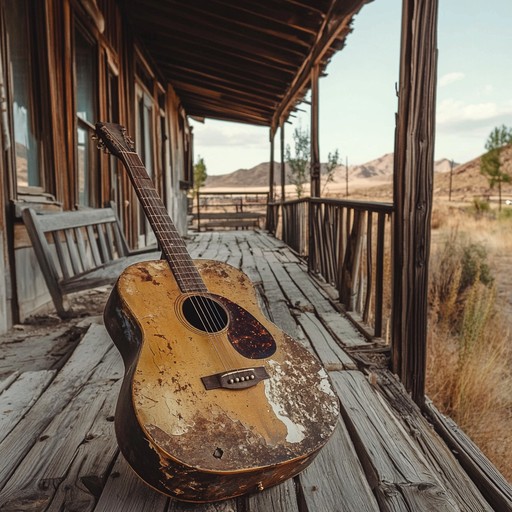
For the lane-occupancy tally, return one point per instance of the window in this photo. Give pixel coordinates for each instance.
(145, 140)
(25, 95)
(86, 107)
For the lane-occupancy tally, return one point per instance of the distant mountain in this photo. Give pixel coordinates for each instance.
(258, 176)
(467, 180)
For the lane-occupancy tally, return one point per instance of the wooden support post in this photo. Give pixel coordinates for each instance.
(271, 169)
(283, 166)
(270, 225)
(315, 145)
(413, 184)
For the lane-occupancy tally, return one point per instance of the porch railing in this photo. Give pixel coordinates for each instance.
(348, 244)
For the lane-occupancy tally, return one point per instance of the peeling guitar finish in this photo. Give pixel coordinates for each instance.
(204, 445)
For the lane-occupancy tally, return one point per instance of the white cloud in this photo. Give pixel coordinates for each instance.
(457, 114)
(450, 78)
(215, 133)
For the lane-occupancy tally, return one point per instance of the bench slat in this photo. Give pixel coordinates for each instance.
(82, 250)
(106, 256)
(110, 240)
(73, 253)
(61, 255)
(93, 244)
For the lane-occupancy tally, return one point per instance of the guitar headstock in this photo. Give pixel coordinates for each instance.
(114, 138)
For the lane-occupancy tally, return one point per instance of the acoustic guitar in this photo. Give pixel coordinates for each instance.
(216, 401)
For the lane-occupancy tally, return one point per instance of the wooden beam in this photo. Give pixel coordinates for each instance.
(333, 27)
(283, 165)
(271, 169)
(315, 144)
(413, 183)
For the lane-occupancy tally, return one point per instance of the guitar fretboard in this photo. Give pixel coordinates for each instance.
(173, 246)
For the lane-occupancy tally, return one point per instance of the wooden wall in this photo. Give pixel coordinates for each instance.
(124, 81)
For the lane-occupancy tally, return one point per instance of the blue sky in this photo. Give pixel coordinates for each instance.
(358, 100)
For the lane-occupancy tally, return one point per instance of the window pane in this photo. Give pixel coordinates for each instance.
(83, 164)
(26, 141)
(85, 78)
(85, 66)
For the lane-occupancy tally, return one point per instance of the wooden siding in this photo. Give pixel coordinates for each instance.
(119, 59)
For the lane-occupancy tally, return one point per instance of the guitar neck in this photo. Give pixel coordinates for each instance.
(170, 241)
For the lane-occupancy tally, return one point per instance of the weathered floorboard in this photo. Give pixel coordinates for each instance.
(401, 477)
(19, 397)
(69, 380)
(125, 492)
(60, 453)
(431, 445)
(48, 462)
(282, 498)
(336, 481)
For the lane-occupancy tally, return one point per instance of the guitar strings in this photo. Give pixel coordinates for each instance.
(209, 315)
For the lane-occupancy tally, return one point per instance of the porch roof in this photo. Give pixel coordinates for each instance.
(241, 61)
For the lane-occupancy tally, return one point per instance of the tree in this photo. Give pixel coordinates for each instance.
(491, 164)
(333, 160)
(300, 162)
(199, 174)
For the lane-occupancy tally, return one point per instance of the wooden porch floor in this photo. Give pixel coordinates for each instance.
(58, 392)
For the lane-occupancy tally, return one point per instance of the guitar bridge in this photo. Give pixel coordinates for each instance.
(236, 379)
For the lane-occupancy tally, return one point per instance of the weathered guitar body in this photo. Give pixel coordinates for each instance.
(216, 400)
(204, 445)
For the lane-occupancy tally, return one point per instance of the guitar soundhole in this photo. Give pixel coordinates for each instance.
(204, 313)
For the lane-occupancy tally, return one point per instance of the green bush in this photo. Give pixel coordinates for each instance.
(474, 266)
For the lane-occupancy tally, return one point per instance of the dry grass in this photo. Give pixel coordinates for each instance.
(470, 354)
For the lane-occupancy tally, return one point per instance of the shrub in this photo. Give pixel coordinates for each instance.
(469, 352)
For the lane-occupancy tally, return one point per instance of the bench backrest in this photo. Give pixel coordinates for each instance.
(83, 240)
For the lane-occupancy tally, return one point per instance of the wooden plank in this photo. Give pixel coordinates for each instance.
(229, 223)
(44, 257)
(330, 353)
(336, 480)
(229, 215)
(281, 498)
(93, 244)
(344, 329)
(8, 379)
(48, 462)
(496, 490)
(73, 253)
(221, 506)
(213, 248)
(126, 492)
(19, 397)
(31, 350)
(401, 478)
(106, 252)
(82, 250)
(201, 240)
(71, 378)
(62, 255)
(434, 448)
(75, 219)
(81, 487)
(248, 264)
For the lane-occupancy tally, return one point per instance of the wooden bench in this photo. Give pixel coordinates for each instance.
(80, 250)
(235, 220)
